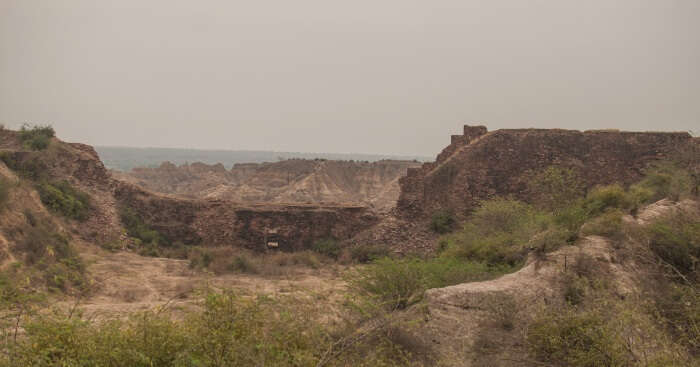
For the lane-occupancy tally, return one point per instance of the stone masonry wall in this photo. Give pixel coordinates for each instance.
(223, 223)
(498, 163)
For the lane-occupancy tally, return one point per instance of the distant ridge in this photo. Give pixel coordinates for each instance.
(126, 158)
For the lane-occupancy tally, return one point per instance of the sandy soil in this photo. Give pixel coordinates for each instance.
(126, 282)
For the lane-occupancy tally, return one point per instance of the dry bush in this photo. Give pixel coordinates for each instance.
(499, 333)
(224, 260)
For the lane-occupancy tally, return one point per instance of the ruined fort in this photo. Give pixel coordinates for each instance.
(480, 164)
(476, 165)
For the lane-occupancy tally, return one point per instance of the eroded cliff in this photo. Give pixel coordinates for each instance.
(290, 181)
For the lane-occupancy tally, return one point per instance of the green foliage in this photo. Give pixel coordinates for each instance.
(576, 339)
(608, 224)
(200, 258)
(148, 239)
(550, 240)
(28, 166)
(603, 198)
(498, 233)
(664, 180)
(327, 247)
(225, 260)
(242, 264)
(228, 330)
(398, 283)
(53, 256)
(366, 253)
(442, 221)
(36, 137)
(679, 306)
(675, 240)
(555, 188)
(62, 198)
(5, 186)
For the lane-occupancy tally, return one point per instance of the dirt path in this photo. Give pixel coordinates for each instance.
(126, 282)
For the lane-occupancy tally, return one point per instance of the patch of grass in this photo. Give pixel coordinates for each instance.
(398, 283)
(576, 339)
(327, 247)
(366, 252)
(53, 256)
(228, 331)
(242, 264)
(36, 137)
(442, 221)
(503, 309)
(679, 307)
(225, 260)
(62, 198)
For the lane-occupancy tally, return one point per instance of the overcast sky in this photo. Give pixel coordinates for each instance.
(365, 76)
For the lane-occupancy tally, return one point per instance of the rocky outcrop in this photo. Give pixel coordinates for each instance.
(481, 164)
(290, 181)
(77, 164)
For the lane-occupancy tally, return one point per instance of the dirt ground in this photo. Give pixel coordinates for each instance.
(125, 282)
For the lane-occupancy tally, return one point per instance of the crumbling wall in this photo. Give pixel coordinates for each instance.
(223, 223)
(482, 165)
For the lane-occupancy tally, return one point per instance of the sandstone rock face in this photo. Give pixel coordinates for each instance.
(224, 223)
(481, 164)
(290, 181)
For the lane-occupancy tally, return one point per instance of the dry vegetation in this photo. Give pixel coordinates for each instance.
(589, 322)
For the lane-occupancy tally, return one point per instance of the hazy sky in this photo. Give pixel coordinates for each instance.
(369, 76)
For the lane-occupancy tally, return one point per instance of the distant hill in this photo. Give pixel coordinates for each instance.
(125, 159)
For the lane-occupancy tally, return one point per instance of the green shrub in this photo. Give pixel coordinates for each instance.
(366, 252)
(576, 339)
(603, 198)
(69, 272)
(200, 258)
(572, 217)
(242, 264)
(36, 137)
(64, 199)
(442, 221)
(664, 180)
(554, 188)
(608, 224)
(52, 254)
(398, 283)
(135, 227)
(498, 233)
(41, 241)
(551, 239)
(30, 166)
(327, 247)
(679, 306)
(676, 241)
